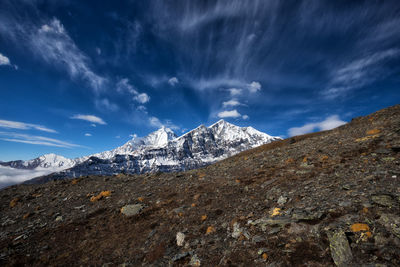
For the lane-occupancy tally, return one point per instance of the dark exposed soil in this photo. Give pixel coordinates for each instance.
(288, 203)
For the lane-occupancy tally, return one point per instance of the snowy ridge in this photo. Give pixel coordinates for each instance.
(161, 150)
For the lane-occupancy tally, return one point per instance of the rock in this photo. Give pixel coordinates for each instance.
(181, 256)
(238, 231)
(340, 249)
(195, 261)
(391, 223)
(59, 219)
(383, 200)
(282, 200)
(131, 210)
(180, 239)
(258, 239)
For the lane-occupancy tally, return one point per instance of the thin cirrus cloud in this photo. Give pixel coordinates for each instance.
(231, 103)
(89, 118)
(327, 124)
(360, 72)
(24, 126)
(229, 114)
(35, 140)
(124, 86)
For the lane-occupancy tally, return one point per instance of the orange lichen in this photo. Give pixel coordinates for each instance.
(324, 158)
(26, 215)
(305, 159)
(193, 205)
(366, 138)
(196, 197)
(365, 210)
(246, 158)
(14, 202)
(74, 181)
(202, 175)
(265, 256)
(358, 227)
(237, 181)
(276, 212)
(100, 196)
(210, 230)
(140, 199)
(289, 160)
(373, 132)
(180, 214)
(204, 217)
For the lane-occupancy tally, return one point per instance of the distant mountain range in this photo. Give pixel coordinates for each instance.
(161, 150)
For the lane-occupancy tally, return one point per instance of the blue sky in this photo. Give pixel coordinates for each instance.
(80, 77)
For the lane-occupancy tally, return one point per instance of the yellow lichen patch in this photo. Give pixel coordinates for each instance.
(289, 160)
(365, 236)
(210, 230)
(140, 199)
(324, 158)
(202, 175)
(305, 159)
(276, 212)
(203, 217)
(358, 227)
(74, 181)
(246, 158)
(366, 138)
(14, 202)
(180, 214)
(265, 256)
(365, 210)
(101, 195)
(373, 132)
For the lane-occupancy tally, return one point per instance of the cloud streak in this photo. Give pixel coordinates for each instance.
(35, 140)
(24, 126)
(327, 124)
(89, 118)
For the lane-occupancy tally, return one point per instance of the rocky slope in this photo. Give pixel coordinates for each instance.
(161, 150)
(324, 199)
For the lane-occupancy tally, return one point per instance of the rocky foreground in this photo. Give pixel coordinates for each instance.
(323, 199)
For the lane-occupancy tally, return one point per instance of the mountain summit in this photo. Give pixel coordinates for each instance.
(161, 150)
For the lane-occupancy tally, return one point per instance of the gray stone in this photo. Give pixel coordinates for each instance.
(282, 200)
(340, 249)
(391, 223)
(131, 210)
(383, 200)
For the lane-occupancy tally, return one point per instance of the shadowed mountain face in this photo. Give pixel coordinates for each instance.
(323, 199)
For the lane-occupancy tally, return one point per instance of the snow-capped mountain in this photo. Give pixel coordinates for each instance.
(161, 150)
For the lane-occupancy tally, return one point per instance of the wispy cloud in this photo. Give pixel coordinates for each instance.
(173, 81)
(88, 134)
(89, 118)
(4, 60)
(327, 124)
(124, 86)
(229, 114)
(360, 72)
(105, 104)
(254, 87)
(231, 103)
(35, 140)
(24, 126)
(142, 98)
(235, 91)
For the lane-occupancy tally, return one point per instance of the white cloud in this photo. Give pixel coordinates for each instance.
(24, 126)
(142, 98)
(105, 104)
(173, 81)
(88, 134)
(245, 117)
(229, 114)
(34, 140)
(4, 60)
(155, 122)
(235, 91)
(89, 118)
(231, 103)
(327, 124)
(359, 73)
(118, 136)
(254, 87)
(54, 45)
(98, 51)
(133, 135)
